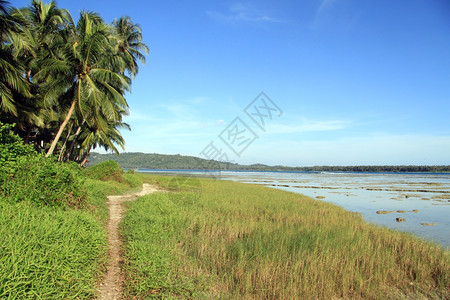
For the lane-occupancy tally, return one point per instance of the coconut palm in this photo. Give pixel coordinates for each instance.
(88, 74)
(107, 137)
(54, 73)
(41, 25)
(12, 81)
(129, 44)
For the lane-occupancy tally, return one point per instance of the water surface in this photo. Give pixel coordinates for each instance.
(422, 199)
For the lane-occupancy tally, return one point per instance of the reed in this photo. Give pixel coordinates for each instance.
(229, 240)
(49, 253)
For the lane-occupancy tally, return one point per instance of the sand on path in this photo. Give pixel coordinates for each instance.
(111, 286)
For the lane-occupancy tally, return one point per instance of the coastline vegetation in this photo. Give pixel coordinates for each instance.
(220, 239)
(63, 83)
(199, 238)
(137, 160)
(62, 94)
(52, 222)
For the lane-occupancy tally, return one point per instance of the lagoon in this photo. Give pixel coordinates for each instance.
(422, 199)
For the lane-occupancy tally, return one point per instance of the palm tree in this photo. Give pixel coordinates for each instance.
(88, 74)
(107, 137)
(129, 44)
(53, 73)
(12, 81)
(42, 25)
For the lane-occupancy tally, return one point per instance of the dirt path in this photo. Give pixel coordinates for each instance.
(111, 287)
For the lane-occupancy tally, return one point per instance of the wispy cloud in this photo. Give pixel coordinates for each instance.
(325, 5)
(242, 13)
(306, 125)
(335, 13)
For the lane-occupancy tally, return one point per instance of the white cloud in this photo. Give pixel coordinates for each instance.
(242, 13)
(306, 125)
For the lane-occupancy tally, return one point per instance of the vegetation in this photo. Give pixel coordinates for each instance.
(28, 176)
(107, 170)
(221, 239)
(49, 253)
(52, 217)
(180, 162)
(64, 84)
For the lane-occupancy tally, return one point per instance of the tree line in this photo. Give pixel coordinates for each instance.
(63, 83)
(138, 160)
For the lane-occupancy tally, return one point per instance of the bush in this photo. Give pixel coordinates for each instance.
(132, 180)
(26, 175)
(11, 146)
(43, 181)
(107, 170)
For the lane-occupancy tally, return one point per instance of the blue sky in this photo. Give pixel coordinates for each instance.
(358, 82)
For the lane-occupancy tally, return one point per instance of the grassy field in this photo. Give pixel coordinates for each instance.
(218, 239)
(55, 251)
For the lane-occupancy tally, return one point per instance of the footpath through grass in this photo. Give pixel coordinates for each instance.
(52, 236)
(218, 239)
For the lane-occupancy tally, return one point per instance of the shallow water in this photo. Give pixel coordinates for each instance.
(401, 193)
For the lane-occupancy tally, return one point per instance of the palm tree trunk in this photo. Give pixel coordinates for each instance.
(65, 142)
(69, 151)
(86, 154)
(61, 129)
(28, 134)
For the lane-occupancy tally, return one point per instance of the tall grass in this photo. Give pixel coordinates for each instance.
(239, 241)
(49, 253)
(54, 249)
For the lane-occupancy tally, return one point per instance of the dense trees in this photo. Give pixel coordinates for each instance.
(64, 83)
(161, 161)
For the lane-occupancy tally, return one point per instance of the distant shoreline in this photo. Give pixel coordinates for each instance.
(143, 170)
(137, 160)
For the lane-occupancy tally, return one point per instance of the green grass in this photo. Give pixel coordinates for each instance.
(52, 222)
(57, 252)
(49, 253)
(219, 239)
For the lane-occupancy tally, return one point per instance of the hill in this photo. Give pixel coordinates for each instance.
(139, 160)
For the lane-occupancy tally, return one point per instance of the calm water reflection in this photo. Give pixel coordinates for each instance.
(368, 193)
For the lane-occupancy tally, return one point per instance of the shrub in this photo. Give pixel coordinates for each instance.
(132, 180)
(107, 170)
(26, 175)
(11, 146)
(43, 181)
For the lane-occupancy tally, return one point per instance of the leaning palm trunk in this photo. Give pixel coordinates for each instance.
(69, 151)
(61, 129)
(61, 153)
(85, 156)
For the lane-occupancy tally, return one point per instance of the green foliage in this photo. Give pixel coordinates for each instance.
(132, 180)
(176, 162)
(11, 145)
(43, 181)
(105, 171)
(49, 253)
(55, 252)
(28, 176)
(41, 72)
(151, 262)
